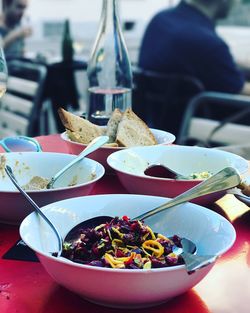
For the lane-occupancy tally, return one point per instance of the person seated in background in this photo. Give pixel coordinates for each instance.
(183, 40)
(11, 30)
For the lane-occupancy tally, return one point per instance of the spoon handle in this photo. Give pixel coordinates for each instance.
(9, 172)
(92, 146)
(194, 262)
(225, 179)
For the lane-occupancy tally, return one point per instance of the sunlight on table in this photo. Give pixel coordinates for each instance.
(224, 299)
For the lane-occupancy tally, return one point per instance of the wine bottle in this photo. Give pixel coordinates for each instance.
(109, 69)
(67, 43)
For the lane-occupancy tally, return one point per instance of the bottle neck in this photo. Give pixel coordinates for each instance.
(66, 29)
(66, 32)
(109, 13)
(67, 44)
(109, 65)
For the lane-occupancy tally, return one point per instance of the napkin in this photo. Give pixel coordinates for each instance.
(231, 207)
(20, 251)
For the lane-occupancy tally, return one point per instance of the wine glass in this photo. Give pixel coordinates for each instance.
(3, 73)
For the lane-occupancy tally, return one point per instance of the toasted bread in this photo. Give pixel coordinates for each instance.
(112, 125)
(132, 131)
(79, 129)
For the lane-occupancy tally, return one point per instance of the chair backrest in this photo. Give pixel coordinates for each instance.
(61, 87)
(160, 99)
(21, 105)
(213, 130)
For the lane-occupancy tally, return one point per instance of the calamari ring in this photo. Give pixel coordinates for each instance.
(154, 246)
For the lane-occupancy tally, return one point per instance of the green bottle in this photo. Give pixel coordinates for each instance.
(67, 43)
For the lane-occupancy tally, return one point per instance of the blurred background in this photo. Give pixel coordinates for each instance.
(47, 19)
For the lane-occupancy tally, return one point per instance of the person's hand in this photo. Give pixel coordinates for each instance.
(25, 31)
(21, 32)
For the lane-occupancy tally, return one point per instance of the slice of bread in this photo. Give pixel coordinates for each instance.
(132, 131)
(112, 125)
(79, 129)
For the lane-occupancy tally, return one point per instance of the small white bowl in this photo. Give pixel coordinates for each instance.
(77, 181)
(127, 288)
(100, 155)
(131, 163)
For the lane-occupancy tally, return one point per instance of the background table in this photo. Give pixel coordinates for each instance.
(25, 287)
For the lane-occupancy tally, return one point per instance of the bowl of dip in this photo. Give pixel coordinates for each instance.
(32, 170)
(196, 163)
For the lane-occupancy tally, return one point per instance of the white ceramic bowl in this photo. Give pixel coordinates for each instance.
(100, 155)
(126, 288)
(130, 164)
(14, 207)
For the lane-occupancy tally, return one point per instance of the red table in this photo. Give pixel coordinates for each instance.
(25, 287)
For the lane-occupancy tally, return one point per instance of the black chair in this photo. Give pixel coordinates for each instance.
(61, 88)
(213, 129)
(21, 106)
(160, 99)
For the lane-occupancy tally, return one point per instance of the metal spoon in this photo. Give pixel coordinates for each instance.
(187, 250)
(9, 172)
(160, 170)
(192, 261)
(92, 146)
(225, 179)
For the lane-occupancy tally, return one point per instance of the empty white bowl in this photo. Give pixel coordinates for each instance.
(131, 163)
(100, 155)
(127, 288)
(77, 181)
